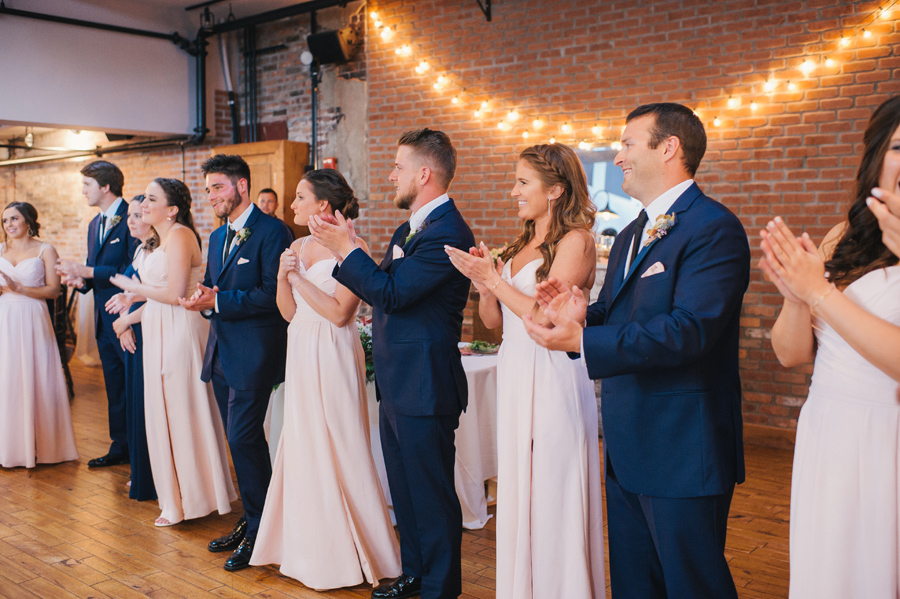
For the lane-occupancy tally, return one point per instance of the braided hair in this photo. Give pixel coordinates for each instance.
(556, 164)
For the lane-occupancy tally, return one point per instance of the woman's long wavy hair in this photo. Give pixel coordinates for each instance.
(556, 164)
(178, 195)
(860, 249)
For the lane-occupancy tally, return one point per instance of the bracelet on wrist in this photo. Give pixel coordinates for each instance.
(497, 282)
(822, 297)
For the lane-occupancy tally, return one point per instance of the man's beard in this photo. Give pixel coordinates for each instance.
(405, 199)
(225, 208)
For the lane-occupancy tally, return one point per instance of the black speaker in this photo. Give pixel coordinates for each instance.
(333, 47)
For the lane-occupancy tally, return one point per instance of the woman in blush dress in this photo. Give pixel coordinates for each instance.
(549, 518)
(35, 423)
(185, 437)
(325, 520)
(128, 329)
(842, 309)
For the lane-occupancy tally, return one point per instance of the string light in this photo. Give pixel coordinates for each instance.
(616, 145)
(807, 67)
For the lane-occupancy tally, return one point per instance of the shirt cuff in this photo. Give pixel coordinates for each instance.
(582, 358)
(217, 304)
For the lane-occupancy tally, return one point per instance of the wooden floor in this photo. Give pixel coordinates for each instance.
(67, 531)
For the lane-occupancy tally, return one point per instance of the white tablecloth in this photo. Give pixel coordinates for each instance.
(476, 438)
(476, 441)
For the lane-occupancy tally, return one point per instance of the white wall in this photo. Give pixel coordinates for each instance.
(72, 77)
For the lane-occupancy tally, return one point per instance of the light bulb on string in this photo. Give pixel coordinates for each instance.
(484, 106)
(769, 85)
(867, 34)
(512, 116)
(845, 41)
(422, 67)
(566, 128)
(616, 145)
(753, 105)
(455, 100)
(373, 14)
(477, 114)
(387, 33)
(807, 67)
(829, 62)
(441, 81)
(537, 124)
(733, 102)
(378, 23)
(503, 126)
(717, 122)
(553, 140)
(584, 145)
(403, 50)
(792, 86)
(596, 130)
(524, 134)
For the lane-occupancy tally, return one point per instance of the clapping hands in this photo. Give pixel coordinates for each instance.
(477, 265)
(334, 232)
(291, 267)
(202, 299)
(120, 303)
(792, 263)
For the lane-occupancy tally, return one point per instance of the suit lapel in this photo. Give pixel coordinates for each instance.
(93, 242)
(251, 220)
(683, 202)
(216, 241)
(123, 208)
(401, 232)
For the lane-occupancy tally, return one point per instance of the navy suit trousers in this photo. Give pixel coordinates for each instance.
(243, 414)
(419, 456)
(680, 541)
(112, 358)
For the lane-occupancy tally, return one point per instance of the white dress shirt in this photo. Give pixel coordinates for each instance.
(419, 216)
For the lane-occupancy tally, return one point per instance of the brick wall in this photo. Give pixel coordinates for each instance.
(587, 63)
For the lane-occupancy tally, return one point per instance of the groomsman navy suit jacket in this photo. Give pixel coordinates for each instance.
(108, 259)
(667, 352)
(247, 330)
(417, 304)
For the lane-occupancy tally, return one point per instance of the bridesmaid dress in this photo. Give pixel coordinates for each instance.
(185, 437)
(549, 514)
(325, 519)
(35, 422)
(845, 486)
(142, 487)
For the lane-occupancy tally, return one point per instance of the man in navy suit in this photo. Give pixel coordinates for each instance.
(417, 300)
(110, 251)
(245, 353)
(663, 335)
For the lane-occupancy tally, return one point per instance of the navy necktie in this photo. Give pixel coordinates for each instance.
(229, 237)
(102, 227)
(639, 224)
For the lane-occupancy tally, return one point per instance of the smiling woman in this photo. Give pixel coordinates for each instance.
(35, 425)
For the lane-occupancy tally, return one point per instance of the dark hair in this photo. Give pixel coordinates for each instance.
(105, 173)
(153, 241)
(328, 184)
(28, 213)
(435, 148)
(268, 190)
(231, 165)
(679, 121)
(178, 195)
(556, 164)
(860, 249)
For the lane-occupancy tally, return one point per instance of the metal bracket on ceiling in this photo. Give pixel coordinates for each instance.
(485, 8)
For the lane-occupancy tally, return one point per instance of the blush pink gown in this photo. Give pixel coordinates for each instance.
(549, 513)
(845, 486)
(185, 437)
(325, 520)
(35, 423)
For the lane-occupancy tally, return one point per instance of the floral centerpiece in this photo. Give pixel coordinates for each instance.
(364, 326)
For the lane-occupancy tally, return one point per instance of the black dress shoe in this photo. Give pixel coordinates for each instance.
(230, 541)
(108, 460)
(240, 559)
(405, 586)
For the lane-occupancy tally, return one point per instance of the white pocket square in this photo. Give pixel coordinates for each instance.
(398, 252)
(116, 240)
(654, 270)
(242, 261)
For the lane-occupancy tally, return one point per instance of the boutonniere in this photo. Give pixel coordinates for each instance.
(413, 233)
(241, 236)
(661, 226)
(113, 221)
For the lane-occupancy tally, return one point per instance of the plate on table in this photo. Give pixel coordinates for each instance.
(478, 348)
